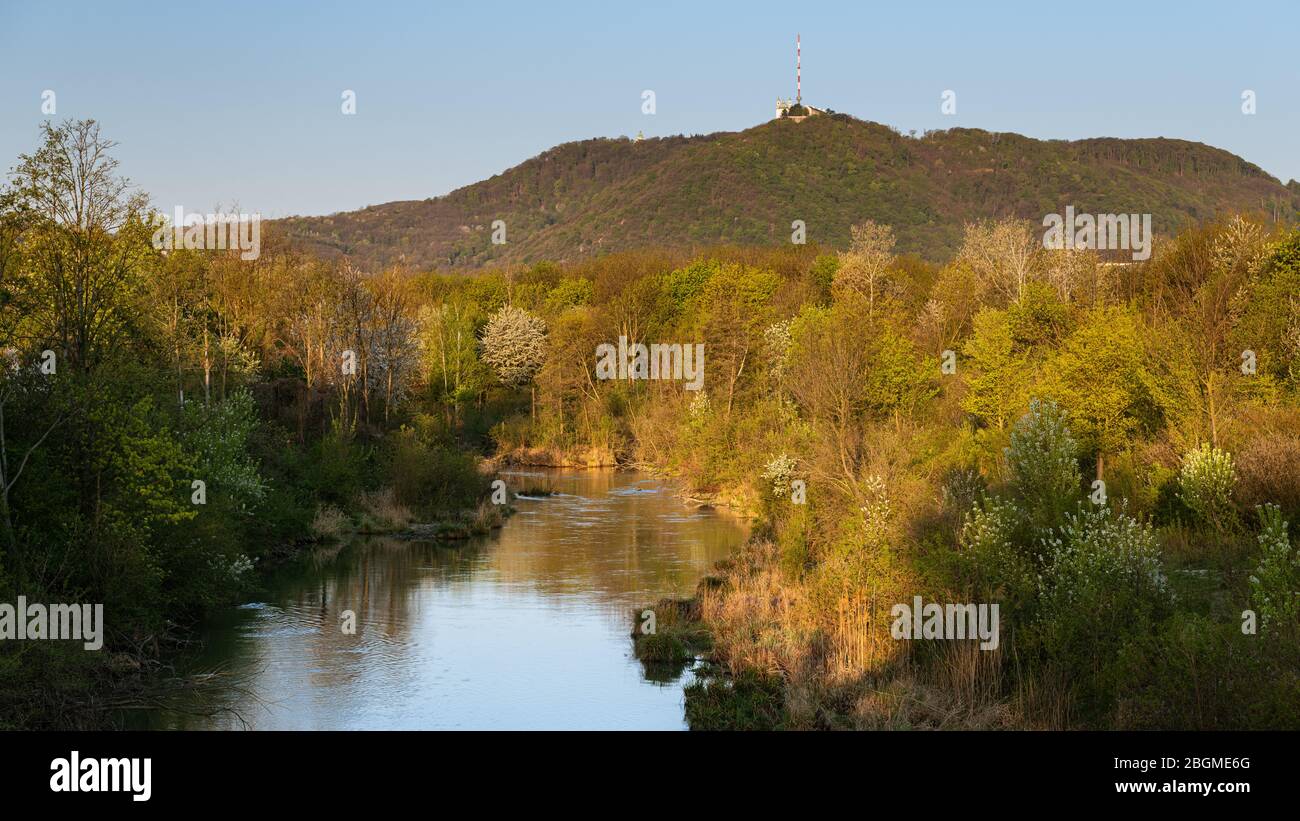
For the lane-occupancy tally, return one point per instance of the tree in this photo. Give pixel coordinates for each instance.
(393, 331)
(514, 344)
(1101, 380)
(828, 359)
(864, 268)
(735, 309)
(996, 390)
(85, 246)
(567, 378)
(451, 369)
(1005, 255)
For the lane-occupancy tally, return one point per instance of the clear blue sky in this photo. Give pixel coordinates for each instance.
(240, 102)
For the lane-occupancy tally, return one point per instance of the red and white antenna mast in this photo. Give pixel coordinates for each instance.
(798, 71)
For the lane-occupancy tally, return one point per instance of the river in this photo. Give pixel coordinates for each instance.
(525, 629)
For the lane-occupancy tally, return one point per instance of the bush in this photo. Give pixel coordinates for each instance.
(780, 472)
(793, 542)
(339, 466)
(1275, 584)
(1199, 672)
(1044, 470)
(1267, 473)
(991, 559)
(434, 481)
(1102, 589)
(1205, 484)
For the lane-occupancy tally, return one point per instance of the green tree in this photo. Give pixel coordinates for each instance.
(1099, 377)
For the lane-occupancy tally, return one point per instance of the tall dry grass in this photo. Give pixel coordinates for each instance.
(839, 664)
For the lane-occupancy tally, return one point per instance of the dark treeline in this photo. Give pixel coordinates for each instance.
(951, 427)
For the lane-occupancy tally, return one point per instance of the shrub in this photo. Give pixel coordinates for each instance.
(219, 435)
(434, 481)
(991, 559)
(962, 489)
(1267, 473)
(1102, 589)
(793, 542)
(1205, 484)
(329, 522)
(339, 465)
(1275, 585)
(1199, 672)
(1041, 457)
(780, 472)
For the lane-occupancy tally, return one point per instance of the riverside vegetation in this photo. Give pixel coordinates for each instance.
(965, 476)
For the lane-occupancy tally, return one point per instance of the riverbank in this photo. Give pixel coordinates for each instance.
(584, 457)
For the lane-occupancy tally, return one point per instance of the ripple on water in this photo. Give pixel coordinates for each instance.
(525, 629)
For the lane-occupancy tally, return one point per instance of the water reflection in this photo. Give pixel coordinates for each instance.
(527, 629)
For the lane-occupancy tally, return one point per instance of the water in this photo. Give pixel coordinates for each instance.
(526, 629)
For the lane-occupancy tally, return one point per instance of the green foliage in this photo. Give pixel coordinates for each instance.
(1103, 589)
(749, 702)
(218, 435)
(845, 387)
(569, 292)
(1270, 321)
(997, 387)
(794, 542)
(1197, 672)
(1275, 584)
(433, 480)
(339, 467)
(1100, 377)
(993, 560)
(1042, 461)
(587, 198)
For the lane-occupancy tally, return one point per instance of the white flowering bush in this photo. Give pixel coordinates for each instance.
(1101, 588)
(877, 512)
(1097, 549)
(1275, 584)
(1205, 485)
(776, 343)
(780, 472)
(1042, 462)
(233, 569)
(990, 553)
(700, 409)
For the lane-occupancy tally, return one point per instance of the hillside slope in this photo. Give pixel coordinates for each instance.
(601, 195)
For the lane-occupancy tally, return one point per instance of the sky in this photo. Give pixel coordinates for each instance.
(216, 105)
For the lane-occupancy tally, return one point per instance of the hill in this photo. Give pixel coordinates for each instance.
(594, 196)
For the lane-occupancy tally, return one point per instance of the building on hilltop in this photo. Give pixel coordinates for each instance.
(796, 111)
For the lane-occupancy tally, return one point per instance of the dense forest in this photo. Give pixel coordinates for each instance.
(584, 199)
(1109, 452)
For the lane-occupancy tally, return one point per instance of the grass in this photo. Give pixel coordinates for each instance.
(749, 702)
(678, 635)
(330, 523)
(463, 525)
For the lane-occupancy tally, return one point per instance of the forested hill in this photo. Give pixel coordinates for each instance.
(595, 196)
